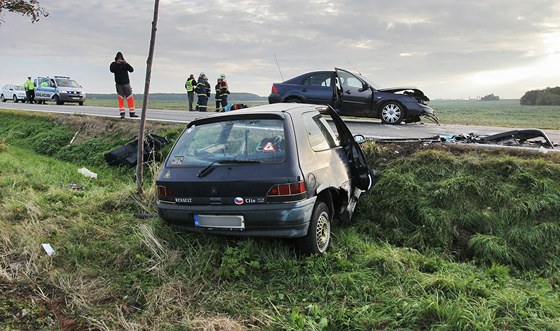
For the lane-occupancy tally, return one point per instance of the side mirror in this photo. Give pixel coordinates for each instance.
(365, 86)
(359, 138)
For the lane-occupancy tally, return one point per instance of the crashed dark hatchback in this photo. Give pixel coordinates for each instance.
(351, 95)
(270, 171)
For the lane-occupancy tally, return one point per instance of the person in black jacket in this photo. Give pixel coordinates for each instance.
(202, 92)
(121, 68)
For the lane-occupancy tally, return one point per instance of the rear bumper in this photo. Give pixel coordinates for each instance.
(287, 220)
(274, 98)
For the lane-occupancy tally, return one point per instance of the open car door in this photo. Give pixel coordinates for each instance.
(361, 175)
(355, 95)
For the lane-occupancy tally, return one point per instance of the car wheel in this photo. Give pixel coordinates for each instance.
(81, 103)
(293, 100)
(15, 99)
(319, 234)
(57, 100)
(2, 98)
(392, 113)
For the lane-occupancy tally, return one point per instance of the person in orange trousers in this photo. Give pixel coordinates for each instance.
(121, 68)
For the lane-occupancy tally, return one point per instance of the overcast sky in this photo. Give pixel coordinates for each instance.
(449, 49)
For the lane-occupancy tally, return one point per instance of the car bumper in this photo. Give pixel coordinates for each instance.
(287, 220)
(72, 97)
(274, 98)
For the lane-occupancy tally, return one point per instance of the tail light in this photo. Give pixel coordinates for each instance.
(164, 193)
(287, 192)
(274, 89)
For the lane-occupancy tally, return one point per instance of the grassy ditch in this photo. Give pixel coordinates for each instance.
(408, 262)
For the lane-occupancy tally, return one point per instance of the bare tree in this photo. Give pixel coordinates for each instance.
(30, 8)
(140, 164)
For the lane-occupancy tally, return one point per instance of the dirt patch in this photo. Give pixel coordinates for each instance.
(89, 126)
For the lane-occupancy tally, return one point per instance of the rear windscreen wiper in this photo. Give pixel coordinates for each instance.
(209, 167)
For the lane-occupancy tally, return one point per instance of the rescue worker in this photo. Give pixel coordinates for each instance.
(121, 68)
(217, 88)
(29, 87)
(202, 92)
(189, 86)
(222, 92)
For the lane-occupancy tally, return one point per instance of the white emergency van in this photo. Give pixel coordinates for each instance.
(59, 89)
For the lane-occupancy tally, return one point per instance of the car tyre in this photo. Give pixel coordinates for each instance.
(58, 101)
(392, 113)
(81, 103)
(15, 99)
(2, 98)
(293, 100)
(319, 233)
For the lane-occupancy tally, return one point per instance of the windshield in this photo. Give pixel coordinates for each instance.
(259, 140)
(64, 82)
(18, 88)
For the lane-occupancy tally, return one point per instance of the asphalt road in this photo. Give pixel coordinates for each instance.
(370, 128)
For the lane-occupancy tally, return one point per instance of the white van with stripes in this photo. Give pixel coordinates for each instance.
(59, 89)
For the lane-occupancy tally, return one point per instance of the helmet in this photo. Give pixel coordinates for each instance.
(201, 74)
(222, 76)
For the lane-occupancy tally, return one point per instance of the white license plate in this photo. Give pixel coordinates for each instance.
(219, 221)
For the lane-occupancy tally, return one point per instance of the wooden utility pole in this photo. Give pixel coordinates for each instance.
(140, 158)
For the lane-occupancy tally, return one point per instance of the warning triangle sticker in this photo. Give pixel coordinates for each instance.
(269, 147)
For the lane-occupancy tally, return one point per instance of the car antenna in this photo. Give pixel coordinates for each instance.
(359, 73)
(278, 67)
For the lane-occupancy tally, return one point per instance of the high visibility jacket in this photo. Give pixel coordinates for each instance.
(28, 85)
(189, 84)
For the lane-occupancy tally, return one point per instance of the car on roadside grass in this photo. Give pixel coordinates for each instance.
(13, 92)
(270, 171)
(352, 95)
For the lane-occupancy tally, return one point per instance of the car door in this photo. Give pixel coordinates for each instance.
(361, 175)
(317, 88)
(355, 94)
(44, 92)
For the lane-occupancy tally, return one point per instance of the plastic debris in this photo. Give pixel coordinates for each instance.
(86, 172)
(48, 249)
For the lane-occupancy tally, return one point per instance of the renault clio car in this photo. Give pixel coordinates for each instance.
(351, 95)
(270, 171)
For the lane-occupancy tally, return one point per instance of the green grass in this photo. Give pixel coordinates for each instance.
(424, 253)
(502, 113)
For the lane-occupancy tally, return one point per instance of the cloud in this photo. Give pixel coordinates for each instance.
(449, 49)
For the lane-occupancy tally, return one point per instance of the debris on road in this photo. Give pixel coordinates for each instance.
(532, 138)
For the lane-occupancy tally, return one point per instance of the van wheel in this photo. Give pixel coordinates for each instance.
(81, 103)
(15, 99)
(2, 98)
(58, 101)
(319, 234)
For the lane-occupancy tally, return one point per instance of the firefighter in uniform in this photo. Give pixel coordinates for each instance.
(222, 92)
(189, 86)
(202, 92)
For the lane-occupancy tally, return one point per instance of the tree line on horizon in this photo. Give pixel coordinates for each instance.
(549, 96)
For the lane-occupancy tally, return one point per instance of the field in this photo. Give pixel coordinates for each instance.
(450, 238)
